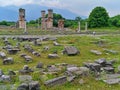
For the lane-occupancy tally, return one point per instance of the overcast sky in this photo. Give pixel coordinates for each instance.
(80, 7)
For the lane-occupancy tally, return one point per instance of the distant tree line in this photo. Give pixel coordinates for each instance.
(7, 23)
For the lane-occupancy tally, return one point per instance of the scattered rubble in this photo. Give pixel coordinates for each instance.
(95, 52)
(71, 50)
(52, 56)
(8, 60)
(111, 51)
(56, 81)
(25, 70)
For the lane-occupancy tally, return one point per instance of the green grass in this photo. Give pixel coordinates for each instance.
(105, 29)
(36, 31)
(84, 44)
(33, 31)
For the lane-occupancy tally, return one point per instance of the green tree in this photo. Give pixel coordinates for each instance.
(118, 23)
(32, 22)
(3, 23)
(78, 18)
(115, 21)
(98, 17)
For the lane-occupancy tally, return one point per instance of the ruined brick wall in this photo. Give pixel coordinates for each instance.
(61, 24)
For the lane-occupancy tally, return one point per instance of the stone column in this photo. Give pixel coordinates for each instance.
(22, 20)
(25, 28)
(43, 23)
(50, 13)
(50, 19)
(79, 26)
(38, 23)
(86, 26)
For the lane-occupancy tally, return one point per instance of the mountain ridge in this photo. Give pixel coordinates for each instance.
(33, 12)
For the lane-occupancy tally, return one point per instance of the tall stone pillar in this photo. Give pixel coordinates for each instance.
(50, 19)
(43, 23)
(50, 13)
(22, 21)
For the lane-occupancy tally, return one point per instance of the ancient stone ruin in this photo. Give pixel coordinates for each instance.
(47, 23)
(21, 22)
(61, 24)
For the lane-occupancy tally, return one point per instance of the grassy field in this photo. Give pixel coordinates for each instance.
(36, 31)
(84, 44)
